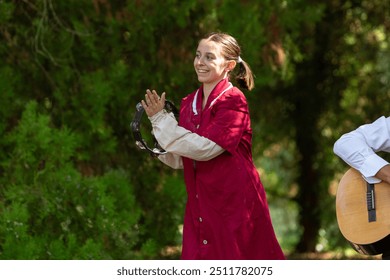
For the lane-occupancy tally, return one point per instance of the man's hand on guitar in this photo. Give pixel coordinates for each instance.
(384, 174)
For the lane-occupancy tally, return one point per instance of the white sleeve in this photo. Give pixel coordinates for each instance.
(172, 160)
(180, 141)
(358, 148)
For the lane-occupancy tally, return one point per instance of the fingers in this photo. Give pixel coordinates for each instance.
(153, 103)
(155, 96)
(152, 98)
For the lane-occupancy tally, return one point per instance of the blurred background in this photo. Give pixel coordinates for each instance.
(73, 184)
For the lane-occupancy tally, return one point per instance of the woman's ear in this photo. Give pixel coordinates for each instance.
(230, 66)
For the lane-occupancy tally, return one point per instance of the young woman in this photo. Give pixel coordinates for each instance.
(227, 215)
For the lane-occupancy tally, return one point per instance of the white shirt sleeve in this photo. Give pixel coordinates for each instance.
(181, 142)
(172, 160)
(358, 148)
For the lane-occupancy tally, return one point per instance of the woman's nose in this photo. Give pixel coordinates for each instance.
(200, 60)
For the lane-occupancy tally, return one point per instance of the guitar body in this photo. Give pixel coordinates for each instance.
(367, 236)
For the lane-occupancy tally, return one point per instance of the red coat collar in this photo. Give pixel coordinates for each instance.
(222, 86)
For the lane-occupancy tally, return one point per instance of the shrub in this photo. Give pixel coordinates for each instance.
(49, 210)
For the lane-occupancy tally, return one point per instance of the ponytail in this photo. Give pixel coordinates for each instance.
(231, 51)
(244, 76)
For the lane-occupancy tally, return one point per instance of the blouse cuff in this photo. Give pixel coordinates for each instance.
(371, 166)
(157, 117)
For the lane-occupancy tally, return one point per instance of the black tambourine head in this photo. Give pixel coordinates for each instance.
(135, 126)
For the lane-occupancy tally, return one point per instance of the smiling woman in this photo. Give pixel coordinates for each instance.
(227, 215)
(210, 65)
(221, 54)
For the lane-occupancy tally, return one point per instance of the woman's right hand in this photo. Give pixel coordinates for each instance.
(153, 103)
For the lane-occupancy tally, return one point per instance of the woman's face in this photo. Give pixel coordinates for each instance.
(209, 63)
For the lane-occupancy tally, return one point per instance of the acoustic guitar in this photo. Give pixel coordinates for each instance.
(363, 213)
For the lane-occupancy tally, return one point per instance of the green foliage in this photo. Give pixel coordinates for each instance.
(50, 211)
(6, 10)
(163, 210)
(74, 185)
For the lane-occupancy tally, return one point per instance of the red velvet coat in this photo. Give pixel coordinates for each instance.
(227, 215)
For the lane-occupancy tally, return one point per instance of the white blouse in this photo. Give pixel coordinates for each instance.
(180, 142)
(358, 148)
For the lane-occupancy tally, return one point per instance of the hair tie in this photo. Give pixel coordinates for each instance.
(239, 59)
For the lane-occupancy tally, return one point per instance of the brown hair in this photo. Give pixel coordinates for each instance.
(232, 51)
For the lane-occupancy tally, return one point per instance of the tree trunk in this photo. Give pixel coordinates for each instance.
(311, 100)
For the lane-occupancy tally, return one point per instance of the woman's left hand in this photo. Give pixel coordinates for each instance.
(153, 103)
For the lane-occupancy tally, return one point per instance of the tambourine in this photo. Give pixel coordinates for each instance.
(136, 129)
